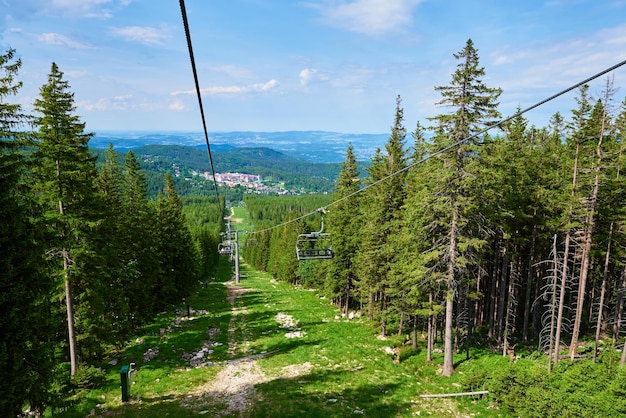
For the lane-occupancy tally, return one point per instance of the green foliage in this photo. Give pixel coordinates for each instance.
(525, 388)
(88, 377)
(26, 285)
(177, 251)
(293, 173)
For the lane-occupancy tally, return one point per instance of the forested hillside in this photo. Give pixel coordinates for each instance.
(512, 240)
(274, 166)
(87, 257)
(509, 240)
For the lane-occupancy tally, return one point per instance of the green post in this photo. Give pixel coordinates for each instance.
(126, 379)
(125, 383)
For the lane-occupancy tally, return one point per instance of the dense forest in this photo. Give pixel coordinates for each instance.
(513, 239)
(510, 240)
(87, 258)
(295, 174)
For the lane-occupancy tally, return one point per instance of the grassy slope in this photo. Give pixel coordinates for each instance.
(340, 366)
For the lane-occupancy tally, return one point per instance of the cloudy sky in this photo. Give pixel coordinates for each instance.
(277, 65)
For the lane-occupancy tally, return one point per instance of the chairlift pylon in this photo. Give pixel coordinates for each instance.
(315, 245)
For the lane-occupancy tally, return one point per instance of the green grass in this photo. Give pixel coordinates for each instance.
(337, 368)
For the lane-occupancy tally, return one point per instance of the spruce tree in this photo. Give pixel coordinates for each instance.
(141, 238)
(473, 106)
(65, 173)
(381, 212)
(343, 225)
(26, 333)
(175, 248)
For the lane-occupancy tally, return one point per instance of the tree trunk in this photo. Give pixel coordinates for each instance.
(69, 307)
(430, 337)
(602, 292)
(494, 288)
(559, 319)
(509, 311)
(448, 359)
(584, 268)
(504, 276)
(529, 278)
(553, 345)
(69, 302)
(619, 305)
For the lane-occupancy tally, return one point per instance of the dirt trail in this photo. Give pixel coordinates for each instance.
(235, 384)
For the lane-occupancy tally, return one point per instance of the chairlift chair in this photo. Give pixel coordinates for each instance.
(314, 245)
(224, 248)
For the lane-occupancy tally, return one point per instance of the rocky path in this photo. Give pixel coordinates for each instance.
(234, 385)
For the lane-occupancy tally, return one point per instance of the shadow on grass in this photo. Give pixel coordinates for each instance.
(335, 393)
(318, 394)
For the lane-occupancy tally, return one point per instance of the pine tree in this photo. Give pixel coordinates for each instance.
(65, 174)
(175, 248)
(413, 279)
(343, 225)
(141, 237)
(381, 212)
(25, 286)
(474, 106)
(115, 321)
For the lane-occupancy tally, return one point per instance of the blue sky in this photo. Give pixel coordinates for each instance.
(277, 65)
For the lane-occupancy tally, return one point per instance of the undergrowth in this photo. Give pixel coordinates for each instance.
(331, 366)
(572, 389)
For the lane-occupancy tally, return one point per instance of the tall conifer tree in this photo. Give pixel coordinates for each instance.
(25, 285)
(176, 249)
(343, 224)
(381, 218)
(473, 106)
(66, 174)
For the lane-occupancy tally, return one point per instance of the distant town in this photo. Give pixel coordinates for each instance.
(252, 183)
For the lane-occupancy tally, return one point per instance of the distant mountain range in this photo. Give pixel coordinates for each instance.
(311, 146)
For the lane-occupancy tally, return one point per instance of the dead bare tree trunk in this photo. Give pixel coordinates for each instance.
(584, 268)
(602, 292)
(553, 343)
(564, 272)
(69, 308)
(509, 310)
(529, 282)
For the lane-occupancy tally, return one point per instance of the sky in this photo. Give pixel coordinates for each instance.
(281, 65)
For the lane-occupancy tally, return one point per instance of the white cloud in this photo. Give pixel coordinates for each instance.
(82, 8)
(557, 65)
(61, 40)
(307, 75)
(177, 105)
(116, 103)
(233, 71)
(250, 88)
(142, 34)
(371, 17)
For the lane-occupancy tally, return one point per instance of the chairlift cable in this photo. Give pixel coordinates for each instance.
(195, 78)
(454, 145)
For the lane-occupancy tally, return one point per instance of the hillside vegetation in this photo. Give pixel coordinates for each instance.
(487, 255)
(293, 173)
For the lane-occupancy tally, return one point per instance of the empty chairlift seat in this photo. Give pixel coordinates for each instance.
(224, 248)
(314, 246)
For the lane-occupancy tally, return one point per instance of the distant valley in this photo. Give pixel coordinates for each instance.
(311, 146)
